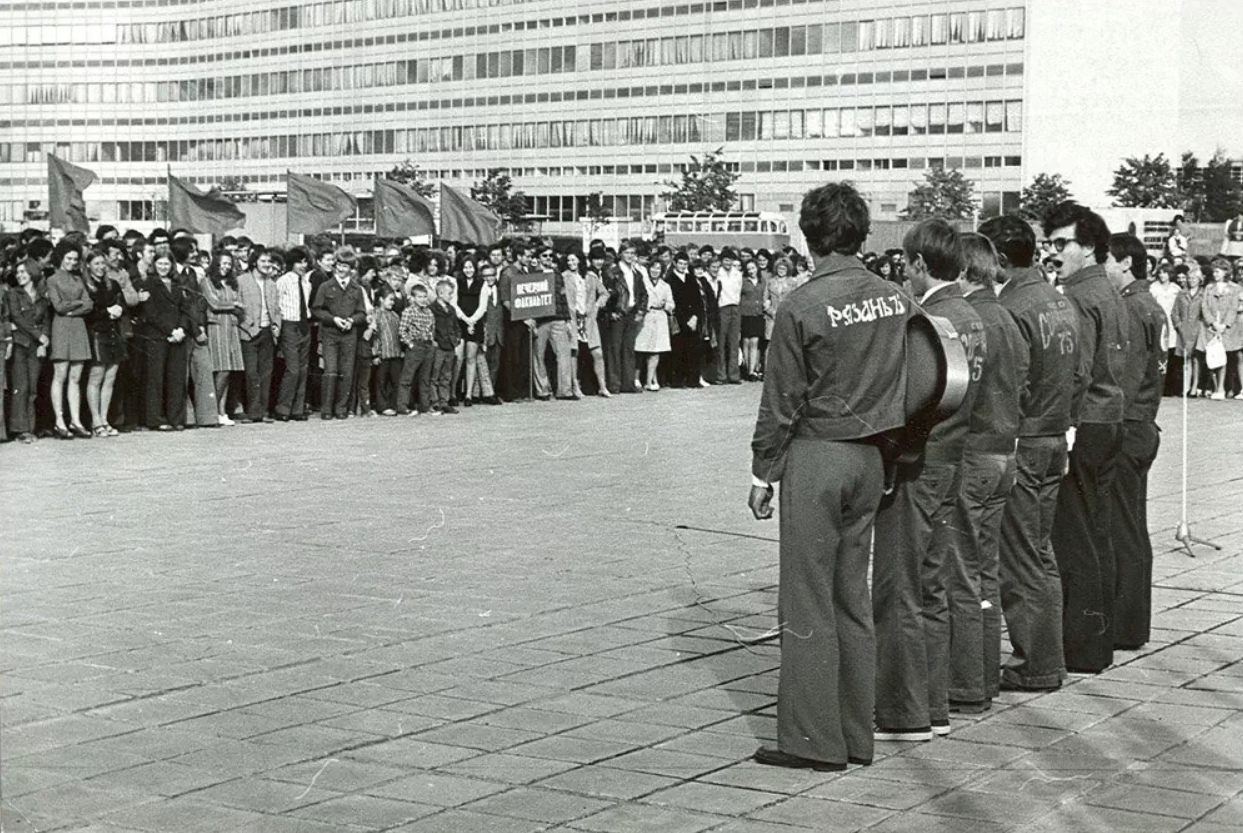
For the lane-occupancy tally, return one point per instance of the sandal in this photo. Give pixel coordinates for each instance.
(100, 431)
(112, 432)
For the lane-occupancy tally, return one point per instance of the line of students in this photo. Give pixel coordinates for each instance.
(1027, 503)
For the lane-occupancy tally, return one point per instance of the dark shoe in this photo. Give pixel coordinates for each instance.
(301, 417)
(920, 733)
(448, 409)
(282, 418)
(27, 438)
(574, 398)
(325, 415)
(268, 420)
(775, 757)
(466, 403)
(244, 421)
(1007, 685)
(453, 402)
(970, 706)
(343, 416)
(940, 728)
(80, 431)
(543, 397)
(62, 433)
(858, 761)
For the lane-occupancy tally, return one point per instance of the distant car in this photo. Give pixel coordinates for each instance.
(754, 229)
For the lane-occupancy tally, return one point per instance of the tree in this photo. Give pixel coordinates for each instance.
(1046, 191)
(1190, 179)
(496, 191)
(1223, 196)
(410, 174)
(1145, 183)
(707, 185)
(598, 213)
(944, 193)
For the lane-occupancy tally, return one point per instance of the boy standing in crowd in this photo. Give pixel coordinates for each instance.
(446, 336)
(417, 334)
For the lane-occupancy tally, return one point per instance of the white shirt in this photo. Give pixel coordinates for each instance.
(729, 286)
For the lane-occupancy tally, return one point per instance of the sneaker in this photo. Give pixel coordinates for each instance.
(433, 412)
(1217, 395)
(940, 728)
(388, 412)
(924, 733)
(970, 706)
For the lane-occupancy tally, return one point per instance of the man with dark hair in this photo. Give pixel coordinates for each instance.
(987, 477)
(1031, 589)
(259, 329)
(1142, 383)
(914, 548)
(836, 378)
(106, 232)
(625, 281)
(198, 355)
(294, 293)
(341, 310)
(1082, 524)
(515, 375)
(325, 262)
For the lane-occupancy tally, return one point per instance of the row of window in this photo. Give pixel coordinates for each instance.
(545, 60)
(940, 118)
(432, 6)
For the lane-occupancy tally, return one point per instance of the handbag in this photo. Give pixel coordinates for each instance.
(1215, 354)
(674, 327)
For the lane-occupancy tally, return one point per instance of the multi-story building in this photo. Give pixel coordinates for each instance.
(582, 96)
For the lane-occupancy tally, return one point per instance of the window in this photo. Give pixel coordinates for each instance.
(958, 27)
(901, 32)
(883, 121)
(919, 31)
(996, 24)
(975, 117)
(832, 123)
(994, 117)
(850, 37)
(1014, 26)
(1014, 116)
(864, 121)
(832, 38)
(975, 27)
(936, 118)
(814, 124)
(848, 126)
(939, 30)
(901, 120)
(955, 120)
(867, 35)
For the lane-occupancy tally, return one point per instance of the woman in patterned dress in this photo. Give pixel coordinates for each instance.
(224, 310)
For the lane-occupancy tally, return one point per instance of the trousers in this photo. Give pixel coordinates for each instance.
(558, 333)
(909, 597)
(442, 377)
(1085, 555)
(687, 352)
(258, 355)
(728, 340)
(514, 381)
(619, 361)
(416, 367)
(24, 378)
(339, 348)
(199, 368)
(295, 346)
(826, 688)
(1031, 587)
(164, 371)
(1132, 547)
(974, 598)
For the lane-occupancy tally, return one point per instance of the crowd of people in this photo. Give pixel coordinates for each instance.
(1025, 503)
(156, 334)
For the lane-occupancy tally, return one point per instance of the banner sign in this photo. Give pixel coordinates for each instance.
(532, 296)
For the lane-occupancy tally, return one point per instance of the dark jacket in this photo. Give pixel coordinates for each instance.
(836, 367)
(1050, 326)
(619, 296)
(196, 304)
(948, 438)
(105, 294)
(1143, 377)
(30, 318)
(994, 426)
(1097, 396)
(331, 301)
(688, 302)
(447, 333)
(164, 311)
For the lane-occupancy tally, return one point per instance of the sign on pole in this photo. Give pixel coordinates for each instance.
(532, 296)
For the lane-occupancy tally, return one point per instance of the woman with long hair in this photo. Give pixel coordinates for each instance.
(472, 307)
(751, 309)
(1186, 316)
(595, 297)
(29, 316)
(107, 340)
(71, 343)
(653, 338)
(1219, 315)
(224, 310)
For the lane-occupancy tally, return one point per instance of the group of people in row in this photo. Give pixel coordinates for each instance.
(155, 334)
(1026, 503)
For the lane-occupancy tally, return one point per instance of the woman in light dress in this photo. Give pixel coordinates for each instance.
(653, 338)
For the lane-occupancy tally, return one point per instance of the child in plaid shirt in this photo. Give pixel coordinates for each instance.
(386, 345)
(418, 326)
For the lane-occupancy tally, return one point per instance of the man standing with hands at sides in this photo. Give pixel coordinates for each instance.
(320, 275)
(836, 377)
(914, 546)
(1031, 589)
(295, 293)
(339, 307)
(987, 477)
(626, 282)
(1081, 524)
(515, 375)
(1142, 383)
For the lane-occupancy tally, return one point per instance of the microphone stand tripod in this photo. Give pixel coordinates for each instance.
(1182, 533)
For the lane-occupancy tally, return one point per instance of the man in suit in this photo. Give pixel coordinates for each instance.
(295, 292)
(515, 375)
(198, 356)
(320, 275)
(625, 282)
(341, 310)
(258, 330)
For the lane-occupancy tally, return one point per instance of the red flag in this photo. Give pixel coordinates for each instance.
(465, 220)
(400, 211)
(65, 184)
(315, 206)
(191, 209)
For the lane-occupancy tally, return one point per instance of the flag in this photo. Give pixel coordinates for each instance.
(467, 221)
(400, 211)
(191, 209)
(315, 206)
(65, 184)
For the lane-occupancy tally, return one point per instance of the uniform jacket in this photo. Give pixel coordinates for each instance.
(248, 326)
(332, 301)
(947, 438)
(836, 367)
(1143, 377)
(1097, 396)
(995, 418)
(1050, 326)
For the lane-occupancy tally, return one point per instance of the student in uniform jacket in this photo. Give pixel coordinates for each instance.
(626, 281)
(913, 549)
(834, 381)
(987, 476)
(341, 311)
(1082, 527)
(1031, 588)
(1142, 384)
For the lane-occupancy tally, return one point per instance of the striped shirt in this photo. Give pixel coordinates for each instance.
(418, 325)
(386, 343)
(287, 293)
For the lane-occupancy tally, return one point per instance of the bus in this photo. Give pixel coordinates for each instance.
(753, 229)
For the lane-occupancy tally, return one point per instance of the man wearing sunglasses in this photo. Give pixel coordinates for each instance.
(1082, 541)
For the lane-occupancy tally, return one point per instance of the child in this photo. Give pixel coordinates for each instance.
(417, 329)
(447, 337)
(386, 346)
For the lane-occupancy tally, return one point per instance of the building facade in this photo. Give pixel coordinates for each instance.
(571, 96)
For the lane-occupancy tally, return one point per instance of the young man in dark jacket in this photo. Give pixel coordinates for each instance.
(1031, 588)
(836, 377)
(914, 548)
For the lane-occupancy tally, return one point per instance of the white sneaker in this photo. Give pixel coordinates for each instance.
(653, 386)
(1217, 395)
(224, 420)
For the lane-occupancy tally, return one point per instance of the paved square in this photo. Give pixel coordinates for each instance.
(530, 618)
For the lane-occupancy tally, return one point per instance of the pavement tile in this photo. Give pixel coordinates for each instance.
(984, 806)
(667, 762)
(1084, 818)
(160, 778)
(410, 752)
(480, 736)
(365, 811)
(182, 815)
(436, 788)
(464, 821)
(541, 805)
(1230, 813)
(644, 818)
(819, 814)
(886, 795)
(753, 776)
(578, 750)
(713, 798)
(507, 768)
(1155, 800)
(606, 782)
(262, 795)
(626, 732)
